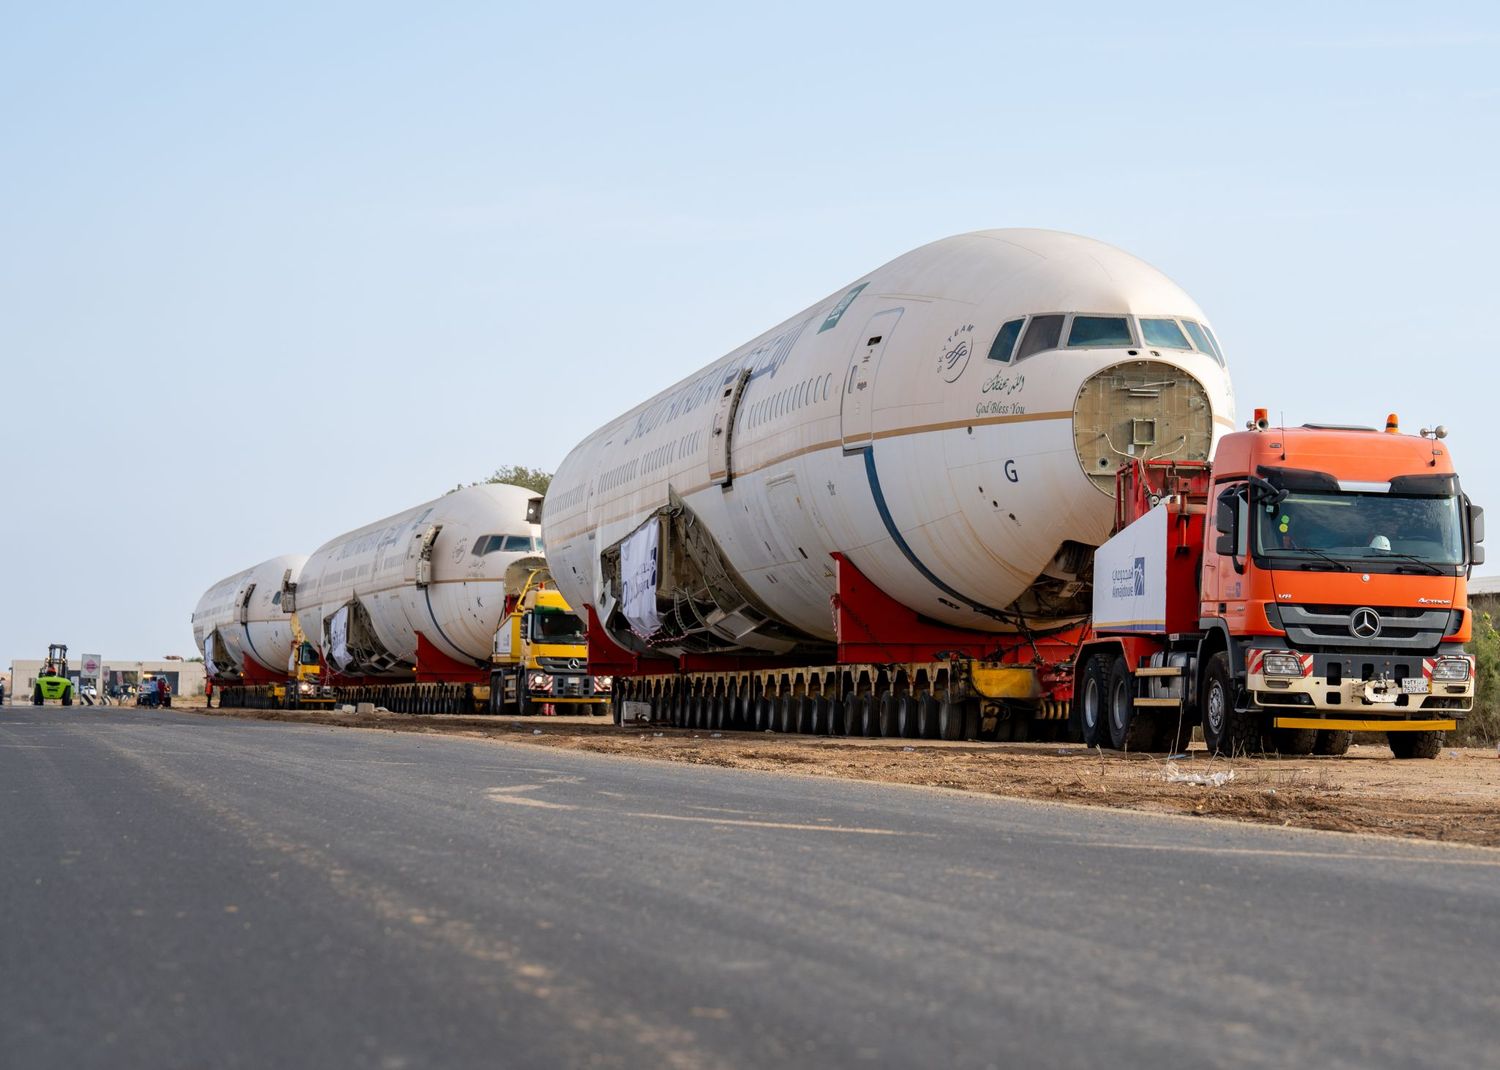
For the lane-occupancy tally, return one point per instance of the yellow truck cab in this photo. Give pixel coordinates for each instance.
(541, 651)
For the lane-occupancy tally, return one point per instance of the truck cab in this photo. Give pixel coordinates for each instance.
(541, 652)
(1328, 596)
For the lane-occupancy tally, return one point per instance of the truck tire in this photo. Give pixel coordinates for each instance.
(846, 712)
(1093, 721)
(1294, 742)
(927, 716)
(972, 721)
(1416, 744)
(907, 715)
(890, 725)
(951, 720)
(1228, 732)
(1128, 729)
(869, 717)
(1333, 741)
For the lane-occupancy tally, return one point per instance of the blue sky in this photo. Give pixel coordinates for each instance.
(270, 272)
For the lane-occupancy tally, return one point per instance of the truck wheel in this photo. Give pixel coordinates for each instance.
(523, 703)
(1333, 741)
(907, 716)
(1227, 731)
(837, 709)
(616, 707)
(1294, 742)
(1416, 744)
(869, 716)
(890, 724)
(972, 721)
(1128, 729)
(1093, 721)
(927, 716)
(950, 720)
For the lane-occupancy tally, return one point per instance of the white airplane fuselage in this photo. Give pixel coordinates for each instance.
(456, 603)
(890, 423)
(242, 614)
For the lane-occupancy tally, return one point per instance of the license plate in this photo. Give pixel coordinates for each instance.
(1414, 685)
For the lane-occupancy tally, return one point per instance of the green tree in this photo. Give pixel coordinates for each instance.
(1483, 725)
(518, 475)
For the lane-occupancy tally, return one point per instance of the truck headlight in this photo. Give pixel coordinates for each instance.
(1451, 668)
(1281, 663)
(539, 681)
(604, 683)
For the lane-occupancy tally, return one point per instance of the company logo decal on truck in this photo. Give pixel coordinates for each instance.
(1129, 582)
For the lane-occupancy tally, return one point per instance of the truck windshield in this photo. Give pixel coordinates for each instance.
(556, 626)
(1369, 531)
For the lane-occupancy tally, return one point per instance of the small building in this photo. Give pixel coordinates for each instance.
(1484, 596)
(185, 677)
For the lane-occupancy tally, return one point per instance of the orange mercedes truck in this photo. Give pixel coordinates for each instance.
(1308, 583)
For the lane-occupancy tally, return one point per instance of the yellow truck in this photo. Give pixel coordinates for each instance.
(541, 654)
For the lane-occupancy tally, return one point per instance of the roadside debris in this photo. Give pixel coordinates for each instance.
(1207, 780)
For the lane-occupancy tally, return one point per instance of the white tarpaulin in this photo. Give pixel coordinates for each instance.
(338, 638)
(638, 578)
(208, 656)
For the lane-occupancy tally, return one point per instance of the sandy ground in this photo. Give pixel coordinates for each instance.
(1455, 797)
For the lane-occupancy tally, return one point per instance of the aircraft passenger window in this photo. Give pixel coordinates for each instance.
(1165, 334)
(1100, 331)
(1044, 332)
(1005, 342)
(1200, 340)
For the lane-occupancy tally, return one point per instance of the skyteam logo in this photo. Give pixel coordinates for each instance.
(1129, 582)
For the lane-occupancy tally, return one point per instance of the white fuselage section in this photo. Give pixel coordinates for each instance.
(242, 613)
(437, 569)
(875, 424)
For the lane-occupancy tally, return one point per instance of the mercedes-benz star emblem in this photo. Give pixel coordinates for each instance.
(573, 663)
(1364, 623)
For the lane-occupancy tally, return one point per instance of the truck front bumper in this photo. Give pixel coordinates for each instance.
(1383, 690)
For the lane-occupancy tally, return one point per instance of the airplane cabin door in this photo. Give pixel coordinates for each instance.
(721, 431)
(857, 409)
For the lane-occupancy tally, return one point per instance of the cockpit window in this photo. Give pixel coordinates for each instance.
(1200, 340)
(1214, 342)
(1005, 341)
(1164, 334)
(1100, 331)
(488, 544)
(1043, 332)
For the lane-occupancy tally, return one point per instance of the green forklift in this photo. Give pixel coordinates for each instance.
(53, 683)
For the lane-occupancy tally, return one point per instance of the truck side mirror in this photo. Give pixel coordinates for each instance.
(1226, 520)
(1476, 533)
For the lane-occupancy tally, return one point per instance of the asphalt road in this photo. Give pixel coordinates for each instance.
(185, 891)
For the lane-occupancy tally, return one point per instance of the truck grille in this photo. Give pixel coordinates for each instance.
(1336, 627)
(557, 665)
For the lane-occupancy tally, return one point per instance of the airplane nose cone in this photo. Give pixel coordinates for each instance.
(1139, 409)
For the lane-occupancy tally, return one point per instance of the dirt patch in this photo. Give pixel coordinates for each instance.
(1454, 798)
